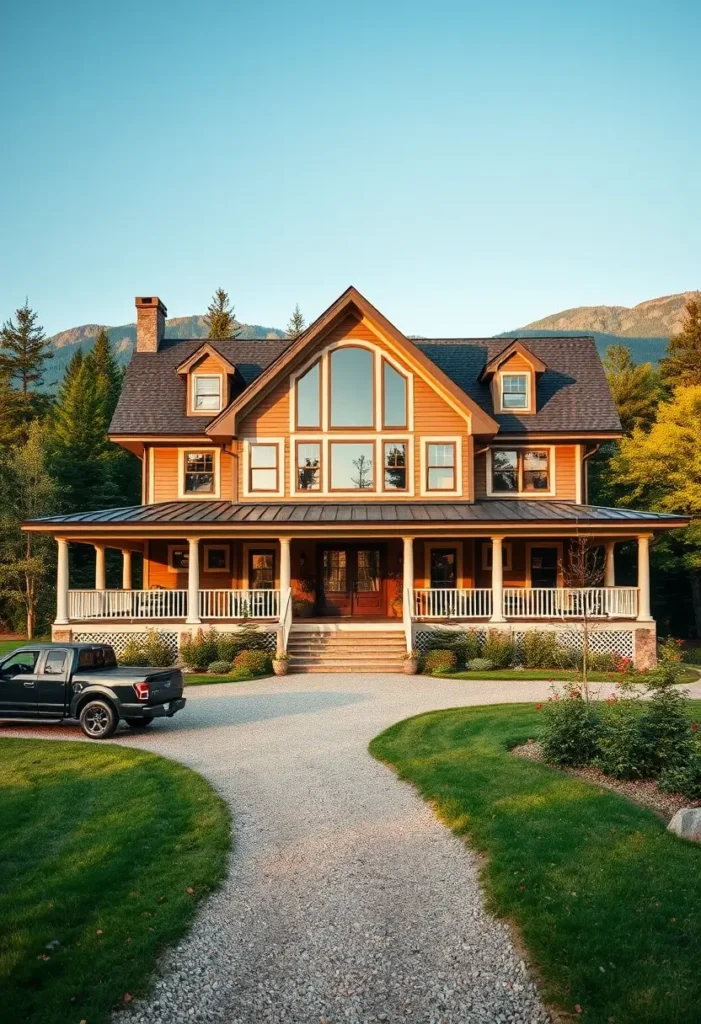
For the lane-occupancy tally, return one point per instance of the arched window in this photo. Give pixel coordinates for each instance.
(393, 397)
(352, 387)
(309, 398)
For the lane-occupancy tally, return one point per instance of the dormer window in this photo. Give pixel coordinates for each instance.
(514, 391)
(206, 392)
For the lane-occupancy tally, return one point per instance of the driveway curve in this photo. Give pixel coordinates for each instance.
(347, 900)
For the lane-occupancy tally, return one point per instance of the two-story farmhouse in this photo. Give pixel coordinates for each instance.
(359, 486)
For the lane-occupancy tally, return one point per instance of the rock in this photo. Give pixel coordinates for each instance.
(687, 823)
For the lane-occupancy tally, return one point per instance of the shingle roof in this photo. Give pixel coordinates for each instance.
(572, 394)
(217, 512)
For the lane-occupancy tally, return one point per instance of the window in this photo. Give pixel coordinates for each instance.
(514, 391)
(506, 555)
(308, 466)
(352, 466)
(443, 568)
(199, 473)
(440, 469)
(55, 663)
(395, 466)
(20, 664)
(520, 470)
(97, 657)
(263, 467)
(178, 558)
(393, 397)
(309, 398)
(206, 393)
(216, 558)
(261, 570)
(352, 387)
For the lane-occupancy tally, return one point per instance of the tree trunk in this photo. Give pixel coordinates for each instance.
(695, 581)
(30, 623)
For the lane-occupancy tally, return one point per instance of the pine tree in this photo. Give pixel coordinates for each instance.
(23, 353)
(109, 374)
(297, 323)
(682, 364)
(220, 317)
(635, 388)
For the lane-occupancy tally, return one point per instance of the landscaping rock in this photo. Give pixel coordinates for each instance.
(687, 823)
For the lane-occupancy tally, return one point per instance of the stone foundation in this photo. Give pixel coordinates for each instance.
(645, 656)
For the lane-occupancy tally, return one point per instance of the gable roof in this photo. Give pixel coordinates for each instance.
(206, 349)
(512, 348)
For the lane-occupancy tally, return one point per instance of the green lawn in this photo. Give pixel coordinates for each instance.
(9, 645)
(232, 677)
(687, 675)
(606, 900)
(107, 850)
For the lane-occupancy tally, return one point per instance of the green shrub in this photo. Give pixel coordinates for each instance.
(571, 730)
(622, 750)
(685, 776)
(220, 668)
(479, 665)
(133, 653)
(199, 651)
(257, 662)
(157, 651)
(228, 646)
(540, 650)
(499, 648)
(440, 661)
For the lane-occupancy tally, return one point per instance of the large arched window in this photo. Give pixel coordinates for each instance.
(309, 398)
(393, 397)
(352, 389)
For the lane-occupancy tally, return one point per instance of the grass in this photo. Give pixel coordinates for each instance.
(6, 646)
(107, 850)
(605, 898)
(686, 676)
(232, 677)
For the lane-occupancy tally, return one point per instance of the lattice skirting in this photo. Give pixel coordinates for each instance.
(609, 641)
(120, 640)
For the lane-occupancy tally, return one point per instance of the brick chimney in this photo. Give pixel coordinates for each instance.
(150, 323)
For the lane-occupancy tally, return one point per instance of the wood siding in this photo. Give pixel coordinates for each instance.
(165, 468)
(566, 456)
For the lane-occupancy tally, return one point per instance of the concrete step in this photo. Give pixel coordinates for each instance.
(393, 669)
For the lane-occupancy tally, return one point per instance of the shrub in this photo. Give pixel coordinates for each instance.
(571, 730)
(199, 651)
(133, 653)
(257, 662)
(540, 650)
(156, 650)
(479, 665)
(220, 668)
(685, 776)
(440, 661)
(499, 649)
(622, 751)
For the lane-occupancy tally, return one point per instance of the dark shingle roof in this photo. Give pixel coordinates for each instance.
(573, 394)
(466, 513)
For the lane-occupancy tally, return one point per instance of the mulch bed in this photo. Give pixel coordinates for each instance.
(641, 791)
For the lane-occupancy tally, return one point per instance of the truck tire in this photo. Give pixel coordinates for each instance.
(98, 719)
(138, 723)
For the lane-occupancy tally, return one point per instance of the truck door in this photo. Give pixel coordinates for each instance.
(18, 685)
(51, 683)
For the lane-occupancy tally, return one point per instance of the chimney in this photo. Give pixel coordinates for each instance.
(150, 323)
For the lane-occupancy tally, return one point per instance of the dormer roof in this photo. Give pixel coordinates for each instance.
(513, 348)
(205, 349)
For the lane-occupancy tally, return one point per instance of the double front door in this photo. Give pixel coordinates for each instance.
(351, 580)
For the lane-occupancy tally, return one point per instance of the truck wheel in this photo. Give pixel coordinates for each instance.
(138, 723)
(98, 719)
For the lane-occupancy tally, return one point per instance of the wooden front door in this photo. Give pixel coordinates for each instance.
(351, 580)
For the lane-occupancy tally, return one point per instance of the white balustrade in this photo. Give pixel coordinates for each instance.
(570, 602)
(127, 604)
(239, 604)
(451, 603)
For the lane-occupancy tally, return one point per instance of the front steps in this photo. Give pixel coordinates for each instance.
(345, 650)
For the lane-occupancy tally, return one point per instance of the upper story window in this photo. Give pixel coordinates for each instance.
(440, 467)
(393, 397)
(395, 466)
(352, 387)
(352, 466)
(199, 473)
(206, 392)
(520, 470)
(514, 391)
(308, 466)
(309, 398)
(264, 467)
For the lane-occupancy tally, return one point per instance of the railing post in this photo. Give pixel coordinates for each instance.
(497, 580)
(62, 582)
(193, 582)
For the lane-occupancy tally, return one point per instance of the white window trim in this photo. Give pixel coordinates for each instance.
(457, 545)
(262, 495)
(217, 547)
(455, 439)
(295, 440)
(252, 545)
(408, 440)
(529, 495)
(507, 556)
(544, 544)
(376, 440)
(529, 375)
(206, 412)
(197, 450)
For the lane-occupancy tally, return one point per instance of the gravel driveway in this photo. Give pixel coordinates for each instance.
(347, 901)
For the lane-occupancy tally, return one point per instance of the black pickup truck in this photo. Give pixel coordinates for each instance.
(83, 681)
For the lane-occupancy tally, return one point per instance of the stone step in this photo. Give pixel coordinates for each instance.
(390, 669)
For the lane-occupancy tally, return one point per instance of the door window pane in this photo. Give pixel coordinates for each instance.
(199, 473)
(352, 390)
(544, 567)
(20, 664)
(394, 404)
(335, 571)
(351, 466)
(308, 466)
(368, 575)
(443, 568)
(514, 391)
(535, 471)
(261, 570)
(504, 471)
(207, 393)
(55, 663)
(441, 467)
(395, 466)
(308, 401)
(264, 467)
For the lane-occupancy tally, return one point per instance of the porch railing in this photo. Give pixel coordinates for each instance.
(570, 602)
(452, 604)
(127, 604)
(239, 604)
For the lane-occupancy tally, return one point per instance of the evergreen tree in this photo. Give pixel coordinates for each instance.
(109, 374)
(23, 353)
(220, 317)
(682, 364)
(297, 323)
(635, 388)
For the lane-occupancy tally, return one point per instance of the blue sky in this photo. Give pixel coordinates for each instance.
(469, 166)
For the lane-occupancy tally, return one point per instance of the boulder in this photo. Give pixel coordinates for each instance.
(687, 823)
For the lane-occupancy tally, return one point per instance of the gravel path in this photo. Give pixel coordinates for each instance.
(347, 900)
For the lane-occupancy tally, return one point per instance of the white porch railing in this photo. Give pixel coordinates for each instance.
(239, 604)
(127, 604)
(452, 604)
(570, 602)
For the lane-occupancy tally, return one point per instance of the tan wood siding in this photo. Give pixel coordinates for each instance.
(166, 473)
(159, 575)
(566, 456)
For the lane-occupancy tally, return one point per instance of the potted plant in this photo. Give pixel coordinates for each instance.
(411, 662)
(303, 606)
(281, 664)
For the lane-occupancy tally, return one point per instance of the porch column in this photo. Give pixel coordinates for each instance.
(644, 578)
(408, 567)
(62, 582)
(497, 580)
(100, 575)
(285, 570)
(193, 582)
(126, 569)
(610, 565)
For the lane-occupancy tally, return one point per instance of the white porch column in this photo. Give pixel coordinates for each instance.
(62, 582)
(644, 579)
(100, 574)
(610, 565)
(497, 579)
(193, 582)
(408, 567)
(126, 569)
(285, 570)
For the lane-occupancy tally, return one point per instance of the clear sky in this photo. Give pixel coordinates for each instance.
(469, 166)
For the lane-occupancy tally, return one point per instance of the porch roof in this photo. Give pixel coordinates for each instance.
(509, 514)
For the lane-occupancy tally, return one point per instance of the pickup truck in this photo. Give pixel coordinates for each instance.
(49, 682)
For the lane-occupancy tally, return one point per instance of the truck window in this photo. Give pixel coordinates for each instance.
(55, 663)
(97, 657)
(22, 663)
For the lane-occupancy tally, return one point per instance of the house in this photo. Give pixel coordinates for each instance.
(352, 490)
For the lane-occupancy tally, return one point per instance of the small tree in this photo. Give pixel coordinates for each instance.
(23, 353)
(583, 569)
(296, 324)
(220, 317)
(682, 364)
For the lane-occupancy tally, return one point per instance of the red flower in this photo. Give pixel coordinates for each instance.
(694, 726)
(538, 707)
(575, 693)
